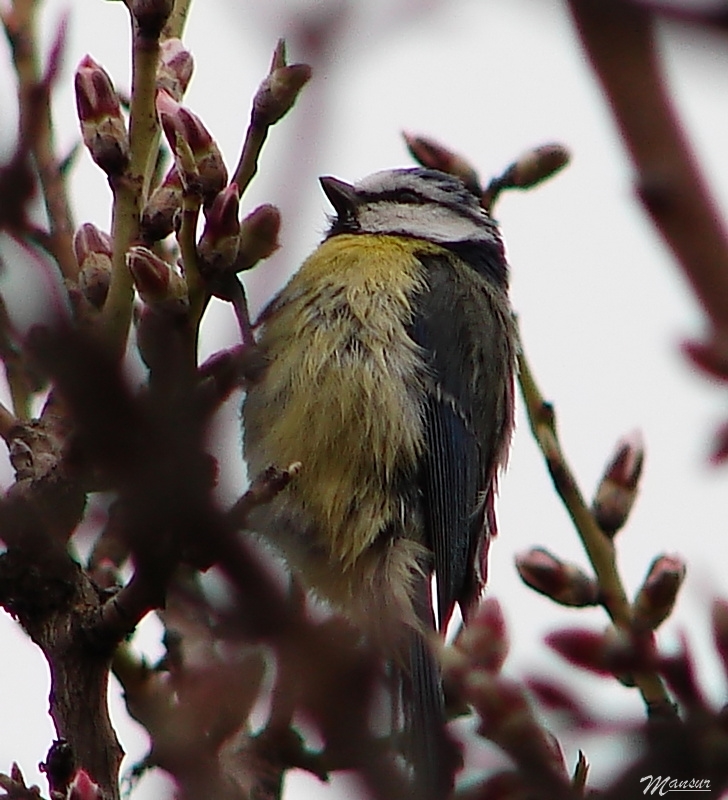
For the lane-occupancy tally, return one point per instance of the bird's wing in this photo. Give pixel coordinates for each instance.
(463, 323)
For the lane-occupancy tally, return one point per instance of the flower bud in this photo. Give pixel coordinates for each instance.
(279, 89)
(563, 582)
(198, 157)
(218, 246)
(555, 697)
(93, 250)
(484, 640)
(508, 720)
(611, 653)
(158, 283)
(433, 155)
(617, 489)
(175, 68)
(162, 208)
(681, 676)
(151, 16)
(535, 166)
(102, 124)
(656, 597)
(258, 237)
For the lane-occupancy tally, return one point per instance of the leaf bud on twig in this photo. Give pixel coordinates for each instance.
(508, 720)
(617, 489)
(610, 653)
(218, 246)
(258, 236)
(563, 582)
(433, 155)
(102, 123)
(533, 167)
(158, 283)
(175, 68)
(656, 598)
(93, 252)
(162, 209)
(484, 640)
(280, 88)
(198, 158)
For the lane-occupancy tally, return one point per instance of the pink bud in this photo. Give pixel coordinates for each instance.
(83, 788)
(279, 89)
(508, 720)
(218, 247)
(605, 654)
(554, 697)
(534, 166)
(89, 240)
(484, 640)
(433, 155)
(656, 598)
(175, 68)
(93, 250)
(158, 283)
(102, 123)
(681, 676)
(258, 237)
(563, 582)
(197, 156)
(162, 208)
(617, 489)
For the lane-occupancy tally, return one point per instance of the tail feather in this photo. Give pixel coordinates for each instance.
(430, 750)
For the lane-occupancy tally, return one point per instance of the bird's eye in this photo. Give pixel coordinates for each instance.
(408, 196)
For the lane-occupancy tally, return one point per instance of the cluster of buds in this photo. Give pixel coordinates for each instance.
(565, 583)
(197, 178)
(93, 250)
(472, 677)
(102, 123)
(617, 490)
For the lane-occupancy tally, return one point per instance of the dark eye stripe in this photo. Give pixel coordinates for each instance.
(406, 196)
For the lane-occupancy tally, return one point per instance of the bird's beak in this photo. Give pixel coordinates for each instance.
(341, 195)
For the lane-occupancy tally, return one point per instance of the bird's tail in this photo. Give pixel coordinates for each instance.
(428, 747)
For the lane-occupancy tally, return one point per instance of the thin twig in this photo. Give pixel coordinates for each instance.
(128, 190)
(196, 289)
(35, 115)
(599, 548)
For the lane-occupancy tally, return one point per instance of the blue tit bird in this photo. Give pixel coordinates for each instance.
(389, 362)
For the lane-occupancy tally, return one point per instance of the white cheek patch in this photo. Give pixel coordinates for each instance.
(430, 221)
